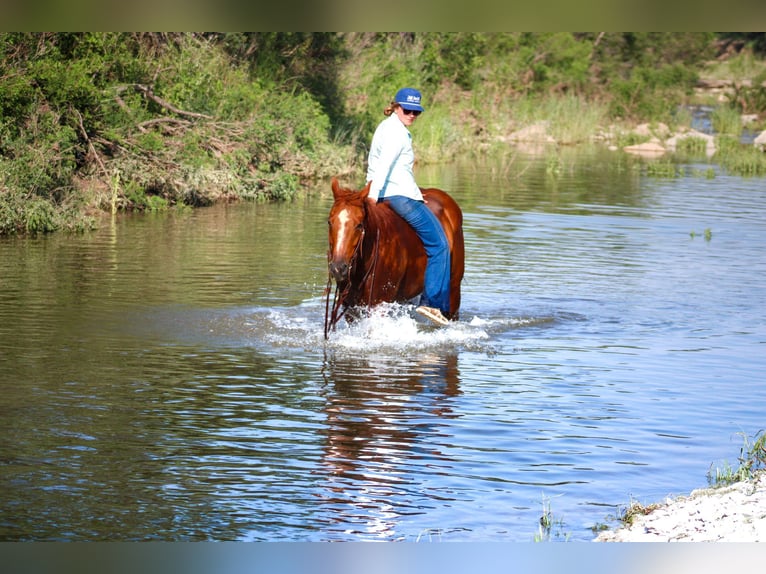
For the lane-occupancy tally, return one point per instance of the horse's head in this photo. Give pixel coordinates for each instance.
(346, 229)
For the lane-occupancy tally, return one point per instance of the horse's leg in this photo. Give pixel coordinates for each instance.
(353, 314)
(457, 270)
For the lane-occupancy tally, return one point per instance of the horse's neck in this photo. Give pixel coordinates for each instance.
(382, 223)
(382, 219)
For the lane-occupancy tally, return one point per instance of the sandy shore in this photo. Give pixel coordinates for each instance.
(735, 513)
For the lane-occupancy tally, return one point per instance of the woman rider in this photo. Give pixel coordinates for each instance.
(389, 168)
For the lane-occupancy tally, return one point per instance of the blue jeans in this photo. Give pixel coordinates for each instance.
(431, 233)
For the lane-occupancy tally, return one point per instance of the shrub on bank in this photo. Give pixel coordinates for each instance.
(151, 121)
(146, 122)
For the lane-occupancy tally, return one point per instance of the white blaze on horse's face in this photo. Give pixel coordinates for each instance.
(344, 217)
(346, 229)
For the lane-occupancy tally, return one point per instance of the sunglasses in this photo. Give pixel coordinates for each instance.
(415, 113)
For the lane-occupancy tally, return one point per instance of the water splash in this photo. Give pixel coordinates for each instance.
(387, 327)
(395, 327)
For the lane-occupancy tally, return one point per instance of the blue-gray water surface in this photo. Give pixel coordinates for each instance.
(167, 377)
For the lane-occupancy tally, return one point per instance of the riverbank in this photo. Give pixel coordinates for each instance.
(733, 513)
(90, 126)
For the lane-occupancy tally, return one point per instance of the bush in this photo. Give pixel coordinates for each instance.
(650, 93)
(30, 215)
(43, 160)
(192, 118)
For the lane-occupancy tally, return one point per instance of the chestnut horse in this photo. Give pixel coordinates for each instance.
(375, 256)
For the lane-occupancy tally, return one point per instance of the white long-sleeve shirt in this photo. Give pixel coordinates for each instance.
(390, 161)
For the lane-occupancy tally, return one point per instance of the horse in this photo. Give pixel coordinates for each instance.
(374, 255)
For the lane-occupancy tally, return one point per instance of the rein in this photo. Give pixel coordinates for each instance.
(331, 318)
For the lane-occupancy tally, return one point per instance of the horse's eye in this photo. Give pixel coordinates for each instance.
(360, 227)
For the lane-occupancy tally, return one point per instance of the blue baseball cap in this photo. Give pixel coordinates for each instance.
(409, 99)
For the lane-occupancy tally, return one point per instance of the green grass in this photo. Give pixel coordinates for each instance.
(736, 159)
(726, 121)
(707, 234)
(691, 146)
(570, 119)
(707, 173)
(752, 458)
(635, 509)
(549, 527)
(661, 168)
(438, 136)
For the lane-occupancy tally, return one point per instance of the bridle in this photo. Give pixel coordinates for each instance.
(332, 316)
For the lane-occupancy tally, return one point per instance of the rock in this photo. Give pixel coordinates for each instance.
(760, 141)
(659, 130)
(648, 149)
(535, 133)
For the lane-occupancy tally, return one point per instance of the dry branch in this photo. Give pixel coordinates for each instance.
(148, 93)
(148, 123)
(90, 143)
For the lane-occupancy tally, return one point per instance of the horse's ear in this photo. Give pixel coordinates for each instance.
(335, 187)
(366, 191)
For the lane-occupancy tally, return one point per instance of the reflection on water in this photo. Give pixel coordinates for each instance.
(167, 377)
(384, 420)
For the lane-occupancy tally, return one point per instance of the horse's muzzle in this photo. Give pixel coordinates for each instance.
(339, 270)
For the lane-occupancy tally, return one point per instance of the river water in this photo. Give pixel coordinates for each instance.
(166, 377)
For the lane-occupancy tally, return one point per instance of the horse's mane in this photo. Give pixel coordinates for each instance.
(376, 214)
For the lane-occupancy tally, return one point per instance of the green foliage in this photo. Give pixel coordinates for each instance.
(747, 73)
(549, 527)
(692, 146)
(194, 73)
(42, 160)
(30, 215)
(707, 173)
(652, 92)
(182, 118)
(707, 234)
(556, 60)
(192, 150)
(571, 118)
(636, 509)
(620, 52)
(439, 138)
(39, 216)
(452, 57)
(156, 203)
(741, 160)
(150, 141)
(661, 168)
(726, 121)
(284, 187)
(751, 99)
(192, 118)
(752, 459)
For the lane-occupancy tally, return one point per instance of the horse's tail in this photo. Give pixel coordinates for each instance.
(451, 216)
